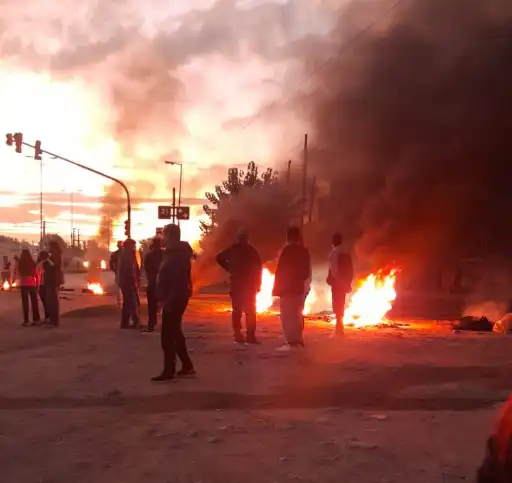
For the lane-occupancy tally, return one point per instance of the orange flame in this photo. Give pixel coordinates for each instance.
(6, 285)
(264, 298)
(372, 300)
(103, 265)
(95, 288)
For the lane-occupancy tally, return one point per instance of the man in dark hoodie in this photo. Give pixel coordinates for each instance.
(291, 285)
(242, 261)
(174, 289)
(152, 262)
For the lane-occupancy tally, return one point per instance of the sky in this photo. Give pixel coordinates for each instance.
(121, 86)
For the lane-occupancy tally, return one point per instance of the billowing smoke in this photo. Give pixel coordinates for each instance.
(412, 126)
(264, 212)
(173, 75)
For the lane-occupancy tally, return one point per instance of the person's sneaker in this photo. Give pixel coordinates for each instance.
(37, 323)
(239, 339)
(185, 372)
(163, 378)
(25, 324)
(284, 348)
(252, 340)
(147, 330)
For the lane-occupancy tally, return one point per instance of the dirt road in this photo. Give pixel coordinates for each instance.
(385, 406)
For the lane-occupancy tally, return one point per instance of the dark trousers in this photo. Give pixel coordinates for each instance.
(338, 306)
(152, 305)
(29, 297)
(52, 304)
(42, 296)
(131, 303)
(243, 302)
(173, 339)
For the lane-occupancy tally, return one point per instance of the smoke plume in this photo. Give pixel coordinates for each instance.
(412, 127)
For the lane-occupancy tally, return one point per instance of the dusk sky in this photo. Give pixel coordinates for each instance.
(123, 85)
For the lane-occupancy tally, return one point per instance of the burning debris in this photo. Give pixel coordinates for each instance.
(6, 286)
(95, 288)
(367, 307)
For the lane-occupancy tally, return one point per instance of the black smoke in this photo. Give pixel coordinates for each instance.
(413, 129)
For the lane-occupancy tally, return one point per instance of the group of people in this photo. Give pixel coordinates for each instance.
(292, 284)
(40, 278)
(168, 268)
(169, 286)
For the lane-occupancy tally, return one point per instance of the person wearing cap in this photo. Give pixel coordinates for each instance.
(292, 284)
(243, 263)
(339, 278)
(152, 262)
(174, 289)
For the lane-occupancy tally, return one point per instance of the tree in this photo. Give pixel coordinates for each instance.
(237, 179)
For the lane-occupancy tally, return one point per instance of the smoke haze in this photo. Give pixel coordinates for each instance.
(412, 126)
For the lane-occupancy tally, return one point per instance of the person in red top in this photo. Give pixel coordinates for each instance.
(497, 464)
(27, 275)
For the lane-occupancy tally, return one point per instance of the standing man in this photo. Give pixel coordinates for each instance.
(292, 283)
(339, 278)
(114, 265)
(174, 289)
(152, 262)
(242, 261)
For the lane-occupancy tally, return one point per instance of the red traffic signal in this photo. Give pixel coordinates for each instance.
(18, 141)
(9, 139)
(38, 152)
(127, 228)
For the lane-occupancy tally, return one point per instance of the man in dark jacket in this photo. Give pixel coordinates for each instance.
(339, 278)
(174, 289)
(291, 285)
(152, 262)
(242, 261)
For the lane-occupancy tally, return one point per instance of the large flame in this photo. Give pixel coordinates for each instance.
(6, 285)
(95, 288)
(372, 300)
(264, 298)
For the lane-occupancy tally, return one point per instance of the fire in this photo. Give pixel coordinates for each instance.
(6, 285)
(103, 265)
(264, 298)
(372, 300)
(95, 288)
(86, 264)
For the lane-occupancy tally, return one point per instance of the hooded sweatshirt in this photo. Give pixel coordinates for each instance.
(174, 281)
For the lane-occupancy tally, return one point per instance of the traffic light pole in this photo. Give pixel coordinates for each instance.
(99, 173)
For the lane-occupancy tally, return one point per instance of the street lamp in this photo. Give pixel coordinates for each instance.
(175, 163)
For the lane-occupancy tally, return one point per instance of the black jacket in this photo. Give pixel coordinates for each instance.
(174, 279)
(152, 262)
(293, 269)
(242, 261)
(114, 260)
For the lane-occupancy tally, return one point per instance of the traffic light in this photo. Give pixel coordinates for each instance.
(127, 228)
(37, 148)
(18, 141)
(8, 139)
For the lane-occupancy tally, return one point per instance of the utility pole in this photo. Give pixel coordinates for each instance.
(289, 173)
(174, 206)
(304, 180)
(43, 231)
(41, 201)
(78, 236)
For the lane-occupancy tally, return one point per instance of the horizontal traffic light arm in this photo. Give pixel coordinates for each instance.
(37, 148)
